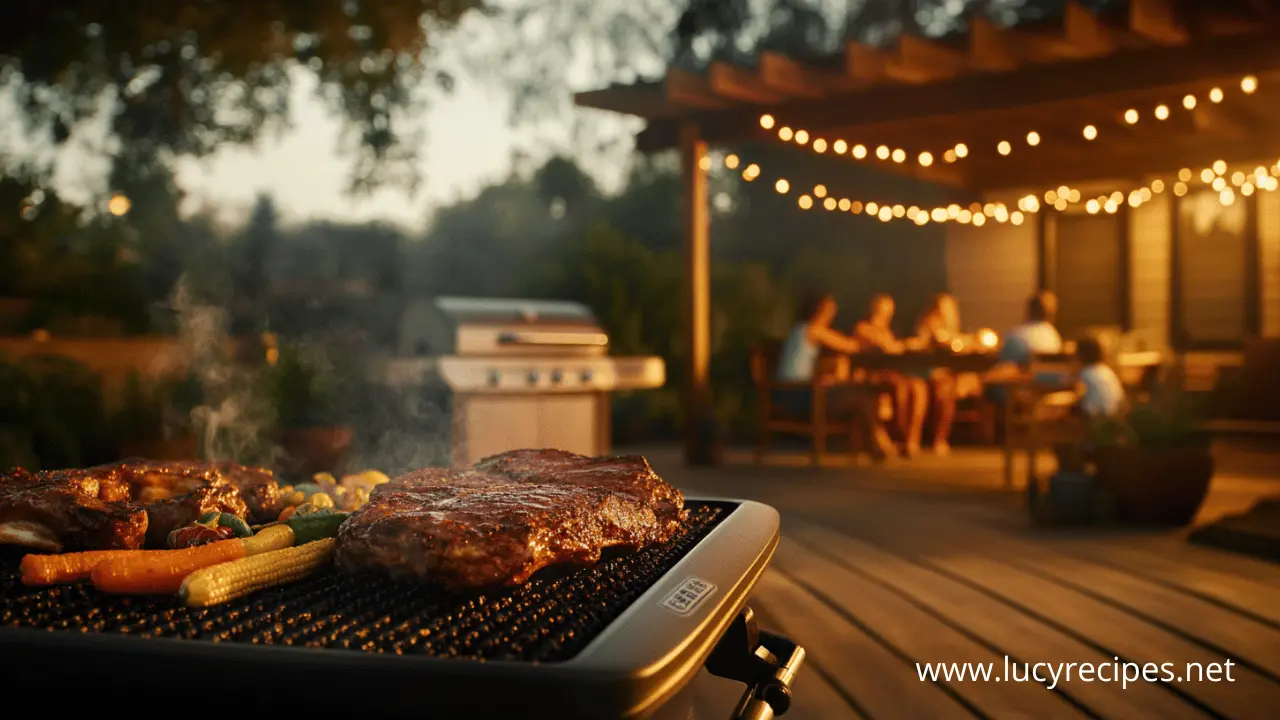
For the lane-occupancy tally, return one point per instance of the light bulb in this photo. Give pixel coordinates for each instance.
(839, 147)
(1220, 166)
(1206, 175)
(882, 152)
(819, 191)
(1189, 102)
(1215, 95)
(829, 203)
(1033, 138)
(1004, 148)
(819, 145)
(1162, 112)
(926, 159)
(859, 151)
(1092, 207)
(731, 161)
(1090, 132)
(844, 204)
(949, 155)
(1131, 116)
(979, 220)
(962, 150)
(785, 134)
(1248, 84)
(782, 186)
(899, 211)
(1015, 217)
(805, 202)
(899, 155)
(766, 122)
(1184, 174)
(1179, 188)
(802, 137)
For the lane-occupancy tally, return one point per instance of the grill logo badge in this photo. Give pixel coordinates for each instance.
(688, 596)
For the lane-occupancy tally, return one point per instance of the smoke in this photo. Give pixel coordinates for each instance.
(234, 421)
(403, 421)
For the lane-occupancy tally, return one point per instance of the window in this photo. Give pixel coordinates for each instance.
(1085, 264)
(1215, 282)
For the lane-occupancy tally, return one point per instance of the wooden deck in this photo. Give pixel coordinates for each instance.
(931, 562)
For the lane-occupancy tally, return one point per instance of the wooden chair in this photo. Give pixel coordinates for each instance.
(1032, 410)
(819, 425)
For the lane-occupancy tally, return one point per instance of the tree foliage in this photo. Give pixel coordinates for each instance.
(185, 77)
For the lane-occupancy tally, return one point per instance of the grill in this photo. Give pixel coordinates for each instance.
(520, 373)
(619, 639)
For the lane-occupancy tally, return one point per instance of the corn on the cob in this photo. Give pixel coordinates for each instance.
(228, 581)
(276, 537)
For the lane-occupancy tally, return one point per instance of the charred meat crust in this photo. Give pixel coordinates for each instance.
(508, 517)
(103, 507)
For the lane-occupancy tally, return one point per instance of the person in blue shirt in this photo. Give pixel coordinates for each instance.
(798, 361)
(1036, 336)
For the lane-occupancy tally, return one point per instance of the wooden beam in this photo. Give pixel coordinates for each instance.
(920, 60)
(1122, 73)
(865, 65)
(1086, 31)
(697, 296)
(1219, 121)
(787, 76)
(1164, 159)
(1157, 20)
(992, 47)
(692, 90)
(739, 83)
(643, 99)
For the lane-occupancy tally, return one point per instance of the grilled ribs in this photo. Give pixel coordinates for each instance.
(508, 517)
(128, 504)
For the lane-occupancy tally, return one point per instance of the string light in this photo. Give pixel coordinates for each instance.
(1090, 132)
(899, 155)
(1033, 138)
(829, 203)
(819, 146)
(1220, 167)
(1216, 95)
(1189, 102)
(782, 186)
(785, 134)
(819, 191)
(926, 159)
(844, 204)
(704, 163)
(839, 147)
(882, 152)
(1004, 148)
(1131, 116)
(1248, 84)
(859, 151)
(1162, 112)
(802, 137)
(962, 150)
(950, 155)
(766, 122)
(805, 202)
(731, 161)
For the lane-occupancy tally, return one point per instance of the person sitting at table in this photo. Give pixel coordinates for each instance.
(1100, 389)
(1036, 336)
(798, 360)
(911, 394)
(940, 327)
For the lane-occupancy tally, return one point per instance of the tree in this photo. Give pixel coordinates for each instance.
(185, 77)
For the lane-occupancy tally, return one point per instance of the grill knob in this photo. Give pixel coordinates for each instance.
(557, 376)
(587, 375)
(533, 377)
(494, 378)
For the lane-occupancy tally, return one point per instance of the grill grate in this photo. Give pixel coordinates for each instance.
(548, 619)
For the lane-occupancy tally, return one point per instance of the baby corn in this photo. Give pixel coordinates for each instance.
(228, 581)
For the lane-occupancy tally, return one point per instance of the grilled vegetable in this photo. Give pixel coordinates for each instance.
(145, 572)
(161, 571)
(322, 523)
(231, 580)
(286, 513)
(65, 568)
(227, 520)
(197, 535)
(321, 500)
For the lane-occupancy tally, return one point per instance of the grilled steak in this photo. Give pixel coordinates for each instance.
(508, 517)
(127, 504)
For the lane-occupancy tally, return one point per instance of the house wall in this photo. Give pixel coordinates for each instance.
(1150, 248)
(1269, 239)
(991, 271)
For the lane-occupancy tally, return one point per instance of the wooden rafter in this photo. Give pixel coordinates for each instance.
(692, 90)
(920, 60)
(992, 47)
(785, 75)
(865, 65)
(735, 82)
(1086, 32)
(1157, 20)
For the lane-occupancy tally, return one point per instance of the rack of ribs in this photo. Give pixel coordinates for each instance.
(127, 505)
(507, 517)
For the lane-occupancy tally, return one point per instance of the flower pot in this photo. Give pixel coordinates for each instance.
(183, 447)
(1155, 486)
(308, 451)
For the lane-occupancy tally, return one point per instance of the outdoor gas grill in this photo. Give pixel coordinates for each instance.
(519, 373)
(620, 639)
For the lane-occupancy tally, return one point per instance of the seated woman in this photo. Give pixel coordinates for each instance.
(798, 360)
(940, 327)
(911, 394)
(1036, 336)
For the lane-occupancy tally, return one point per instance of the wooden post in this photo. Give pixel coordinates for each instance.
(697, 295)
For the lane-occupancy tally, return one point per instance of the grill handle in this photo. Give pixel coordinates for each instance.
(553, 339)
(766, 662)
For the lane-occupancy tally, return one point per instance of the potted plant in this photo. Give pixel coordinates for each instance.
(1155, 464)
(304, 391)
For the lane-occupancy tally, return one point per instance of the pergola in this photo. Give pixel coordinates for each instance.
(1116, 96)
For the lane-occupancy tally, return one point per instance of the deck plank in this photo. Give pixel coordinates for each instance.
(917, 636)
(882, 685)
(1016, 634)
(1177, 548)
(1240, 637)
(1250, 695)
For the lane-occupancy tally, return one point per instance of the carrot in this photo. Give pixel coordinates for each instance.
(66, 568)
(161, 572)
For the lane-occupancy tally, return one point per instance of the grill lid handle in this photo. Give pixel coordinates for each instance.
(549, 338)
(766, 662)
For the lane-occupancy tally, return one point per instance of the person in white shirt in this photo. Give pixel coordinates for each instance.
(1036, 336)
(1101, 392)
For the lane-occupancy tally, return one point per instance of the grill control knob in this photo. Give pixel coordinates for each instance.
(533, 377)
(587, 375)
(495, 378)
(557, 377)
